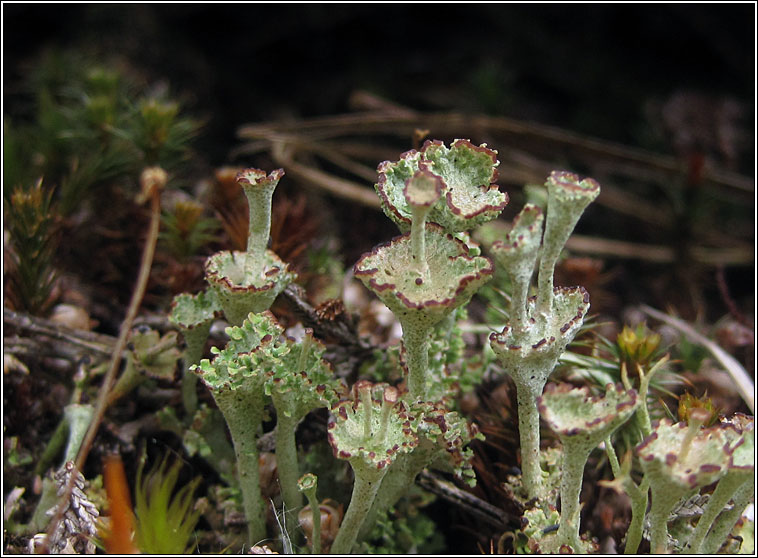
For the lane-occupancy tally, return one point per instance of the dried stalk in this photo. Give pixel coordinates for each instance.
(476, 506)
(519, 133)
(152, 189)
(85, 341)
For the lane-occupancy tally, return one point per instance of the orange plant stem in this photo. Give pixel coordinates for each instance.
(121, 533)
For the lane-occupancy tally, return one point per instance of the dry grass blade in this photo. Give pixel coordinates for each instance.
(332, 184)
(656, 253)
(151, 191)
(535, 138)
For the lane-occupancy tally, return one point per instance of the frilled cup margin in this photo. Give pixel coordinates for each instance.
(239, 360)
(570, 411)
(705, 461)
(192, 311)
(239, 293)
(454, 275)
(467, 172)
(571, 305)
(345, 434)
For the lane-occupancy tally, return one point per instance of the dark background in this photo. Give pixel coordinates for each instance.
(590, 68)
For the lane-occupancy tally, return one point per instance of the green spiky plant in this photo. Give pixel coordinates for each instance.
(166, 517)
(31, 224)
(92, 126)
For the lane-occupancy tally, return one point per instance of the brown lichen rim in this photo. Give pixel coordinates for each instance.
(435, 413)
(214, 277)
(381, 185)
(339, 411)
(492, 154)
(739, 469)
(462, 283)
(439, 186)
(740, 421)
(260, 179)
(670, 458)
(383, 167)
(501, 338)
(531, 211)
(487, 208)
(571, 183)
(561, 388)
(743, 425)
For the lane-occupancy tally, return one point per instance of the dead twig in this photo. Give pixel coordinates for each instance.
(153, 180)
(476, 506)
(655, 253)
(342, 188)
(513, 133)
(67, 340)
(336, 329)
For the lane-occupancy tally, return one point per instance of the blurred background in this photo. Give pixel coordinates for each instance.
(655, 101)
(596, 69)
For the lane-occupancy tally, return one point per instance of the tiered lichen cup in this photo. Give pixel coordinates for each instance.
(370, 435)
(239, 282)
(581, 421)
(679, 459)
(250, 281)
(425, 274)
(540, 327)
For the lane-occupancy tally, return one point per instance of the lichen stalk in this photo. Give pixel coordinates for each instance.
(389, 398)
(720, 497)
(574, 458)
(517, 255)
(416, 343)
(529, 436)
(696, 420)
(418, 240)
(243, 411)
(518, 306)
(259, 190)
(727, 519)
(639, 499)
(364, 391)
(195, 339)
(287, 464)
(642, 413)
(422, 190)
(308, 484)
(567, 199)
(365, 488)
(637, 494)
(395, 485)
(660, 508)
(305, 350)
(550, 252)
